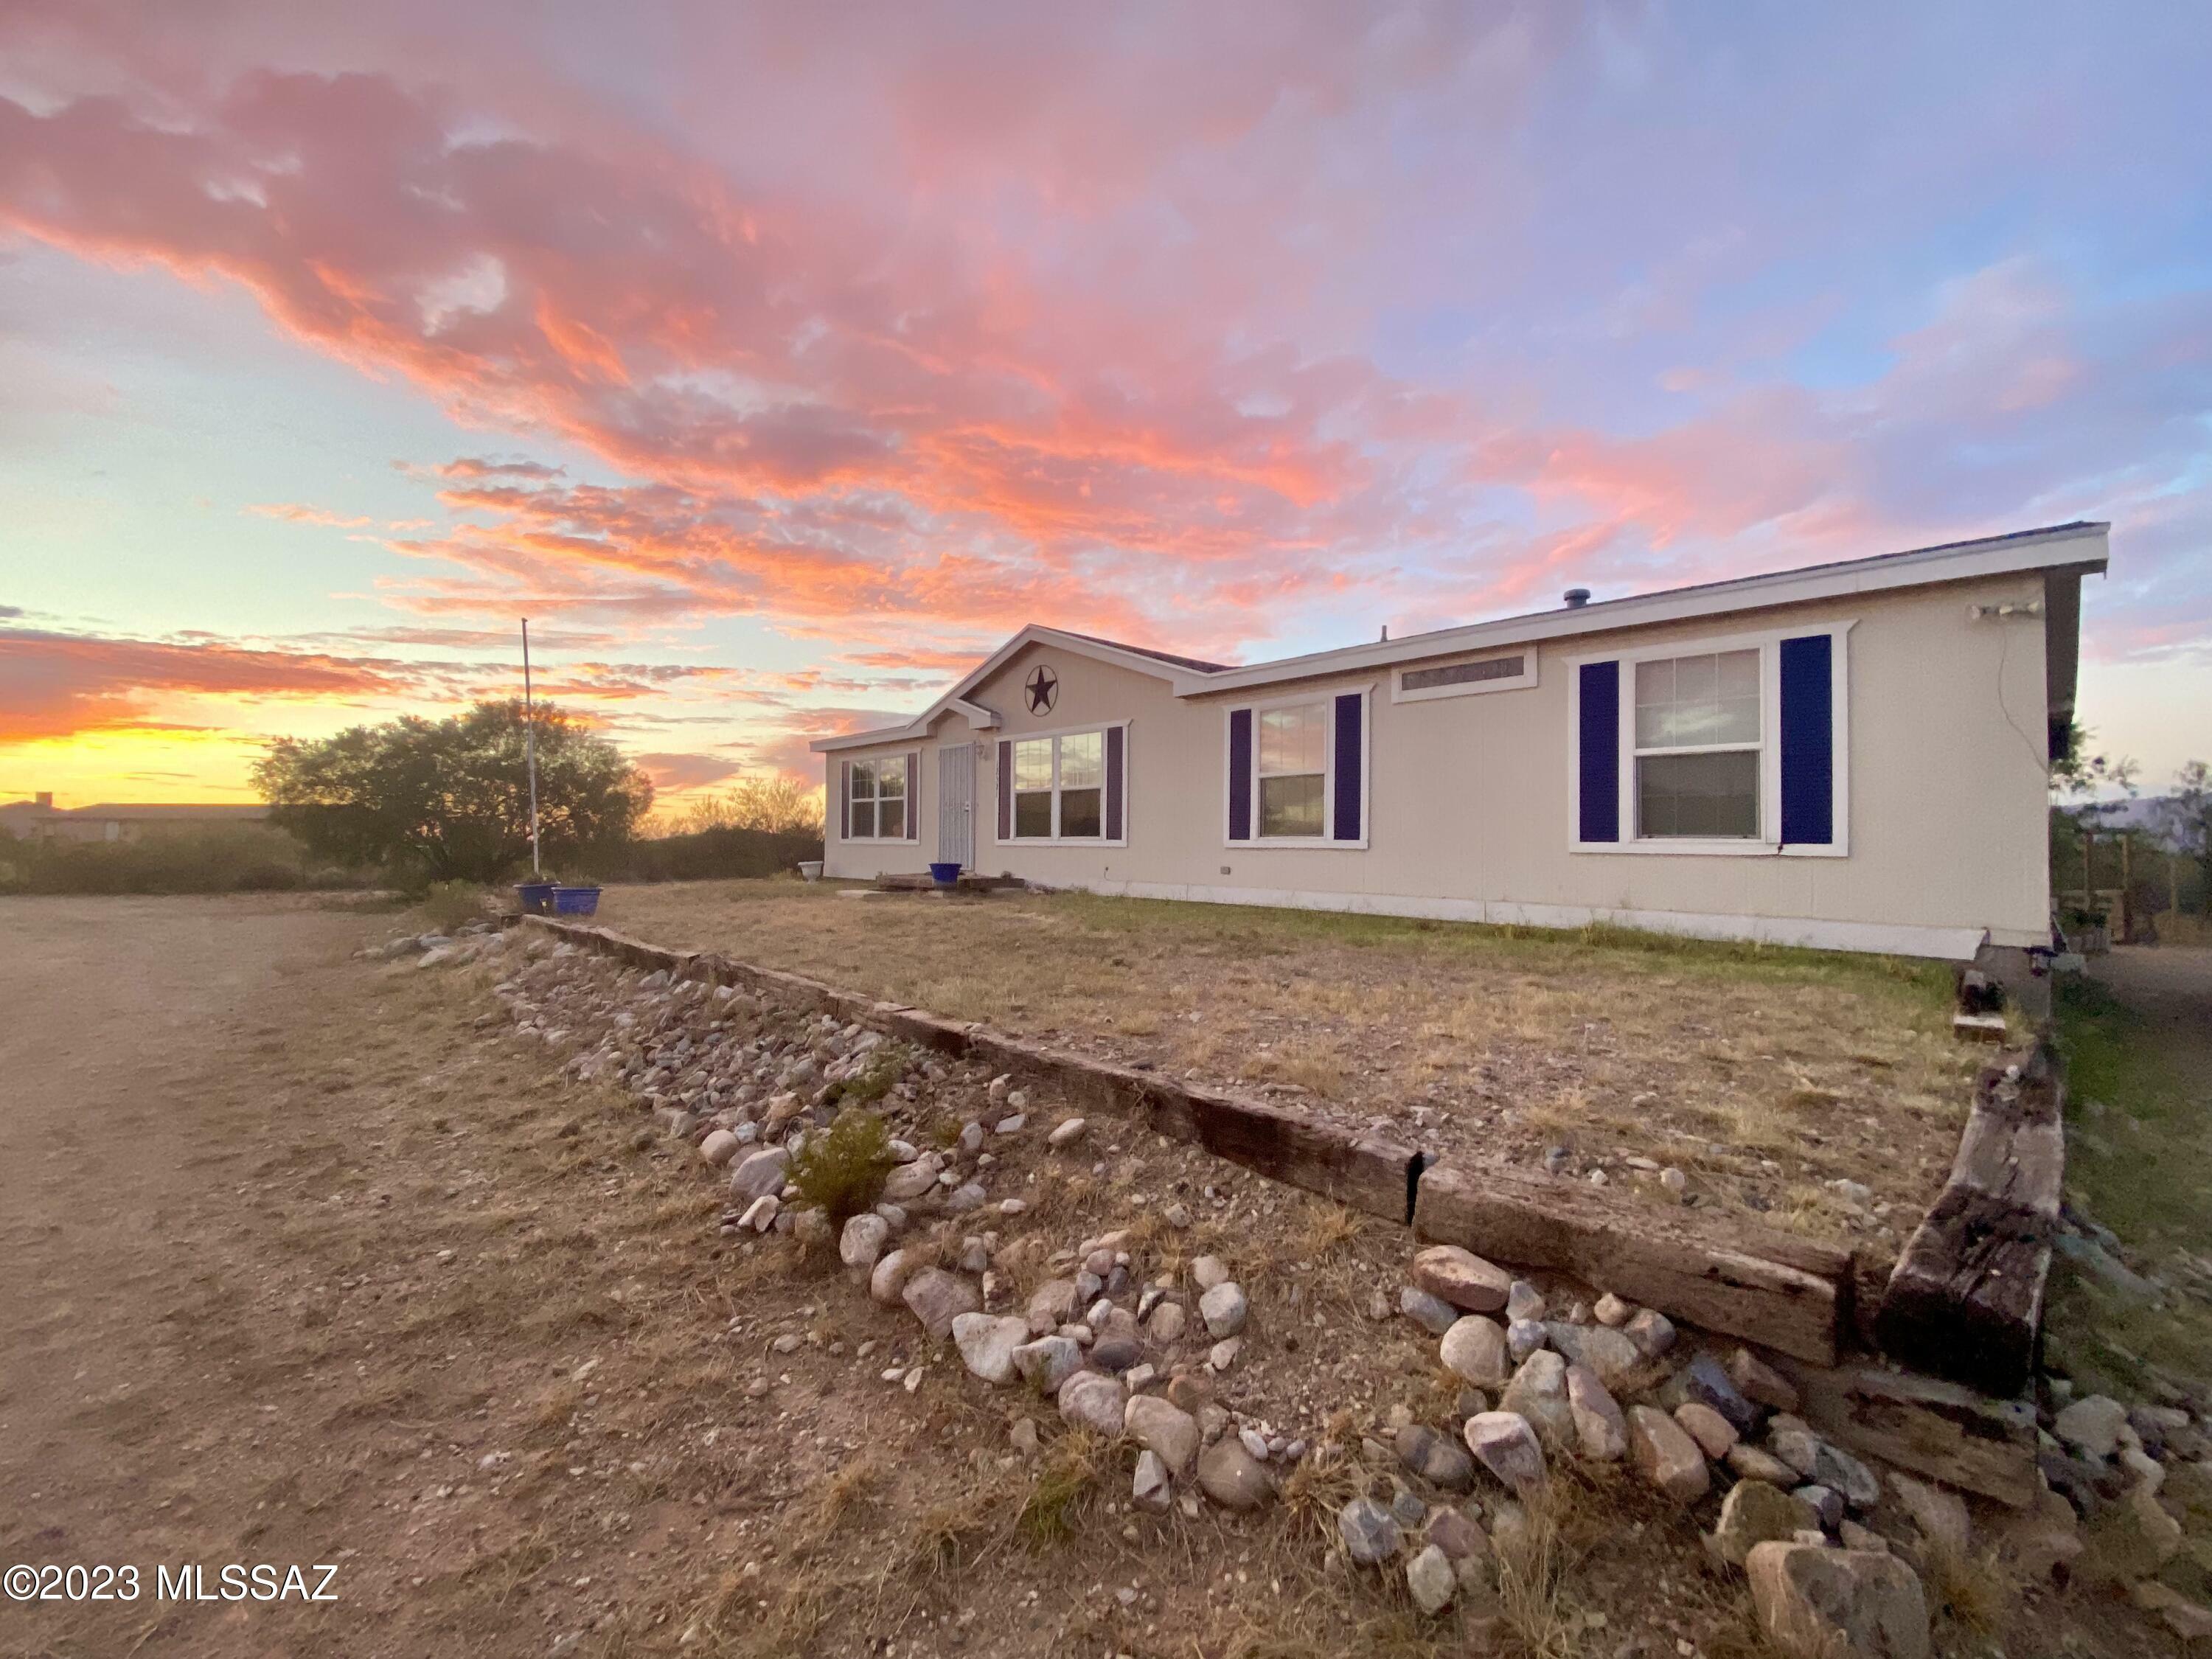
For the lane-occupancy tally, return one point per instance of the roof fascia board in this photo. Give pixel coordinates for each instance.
(1034, 633)
(2058, 547)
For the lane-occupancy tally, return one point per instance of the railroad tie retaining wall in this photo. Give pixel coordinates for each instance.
(1962, 1303)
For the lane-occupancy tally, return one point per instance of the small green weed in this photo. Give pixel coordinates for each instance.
(842, 1168)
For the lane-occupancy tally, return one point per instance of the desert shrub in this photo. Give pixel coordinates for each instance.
(842, 1168)
(240, 858)
(451, 905)
(712, 855)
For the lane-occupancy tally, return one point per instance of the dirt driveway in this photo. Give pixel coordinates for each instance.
(266, 1303)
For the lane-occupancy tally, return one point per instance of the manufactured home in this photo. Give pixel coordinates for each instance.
(1850, 756)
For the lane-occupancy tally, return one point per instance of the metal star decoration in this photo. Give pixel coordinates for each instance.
(1043, 687)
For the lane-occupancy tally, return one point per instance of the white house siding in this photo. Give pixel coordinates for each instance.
(1469, 814)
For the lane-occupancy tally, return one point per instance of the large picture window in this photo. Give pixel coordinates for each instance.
(1060, 787)
(877, 806)
(1698, 742)
(1293, 754)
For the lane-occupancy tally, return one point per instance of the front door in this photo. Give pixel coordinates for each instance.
(956, 805)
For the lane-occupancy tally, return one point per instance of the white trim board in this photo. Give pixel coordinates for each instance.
(1808, 933)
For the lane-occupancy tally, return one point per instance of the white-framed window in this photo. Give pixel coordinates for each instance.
(1701, 752)
(876, 802)
(1291, 761)
(1696, 739)
(1505, 670)
(1296, 769)
(1060, 786)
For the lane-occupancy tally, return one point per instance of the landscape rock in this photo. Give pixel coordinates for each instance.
(1611, 1311)
(1795, 1443)
(1522, 1337)
(1207, 1270)
(1159, 1426)
(1598, 1424)
(1092, 1401)
(2035, 1543)
(1474, 1348)
(759, 1175)
(1432, 1313)
(887, 1284)
(967, 1197)
(1712, 1431)
(1538, 1393)
(1052, 1304)
(1065, 1132)
(863, 1240)
(1504, 1444)
(811, 1227)
(1754, 1513)
(1153, 1487)
(760, 1214)
(1666, 1456)
(912, 1180)
(1457, 1535)
(937, 1298)
(1435, 1458)
(1834, 1467)
(1370, 1532)
(1652, 1333)
(987, 1343)
(1430, 1581)
(2092, 1426)
(1117, 1351)
(1166, 1323)
(1941, 1515)
(1760, 1384)
(1851, 1603)
(1224, 1310)
(1461, 1278)
(1706, 1381)
(1750, 1463)
(1048, 1361)
(1827, 1503)
(1232, 1477)
(1524, 1301)
(720, 1147)
(1609, 1353)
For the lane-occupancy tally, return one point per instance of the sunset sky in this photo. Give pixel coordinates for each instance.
(778, 362)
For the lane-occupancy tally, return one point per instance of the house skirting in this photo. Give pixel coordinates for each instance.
(1882, 938)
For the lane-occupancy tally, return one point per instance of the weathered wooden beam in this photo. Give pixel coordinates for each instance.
(1940, 1430)
(1784, 1293)
(1965, 1302)
(1367, 1174)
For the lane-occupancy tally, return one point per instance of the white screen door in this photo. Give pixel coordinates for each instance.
(956, 805)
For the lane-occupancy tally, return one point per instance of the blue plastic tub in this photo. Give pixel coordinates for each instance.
(945, 875)
(537, 898)
(576, 901)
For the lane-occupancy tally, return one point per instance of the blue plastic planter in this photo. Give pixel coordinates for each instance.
(537, 898)
(945, 875)
(576, 901)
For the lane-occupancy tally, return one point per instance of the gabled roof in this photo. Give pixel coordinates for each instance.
(1160, 665)
(2079, 546)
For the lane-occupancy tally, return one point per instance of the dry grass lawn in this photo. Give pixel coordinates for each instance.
(1765, 1074)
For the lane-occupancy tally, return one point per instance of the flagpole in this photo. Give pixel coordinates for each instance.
(530, 742)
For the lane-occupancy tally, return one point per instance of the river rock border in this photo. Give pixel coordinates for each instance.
(1964, 1302)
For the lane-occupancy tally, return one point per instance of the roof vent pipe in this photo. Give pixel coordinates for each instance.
(1576, 598)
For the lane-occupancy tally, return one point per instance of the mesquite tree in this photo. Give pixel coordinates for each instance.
(450, 799)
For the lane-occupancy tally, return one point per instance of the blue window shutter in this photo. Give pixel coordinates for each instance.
(1598, 752)
(1006, 791)
(913, 800)
(1114, 738)
(1240, 775)
(1808, 742)
(1349, 770)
